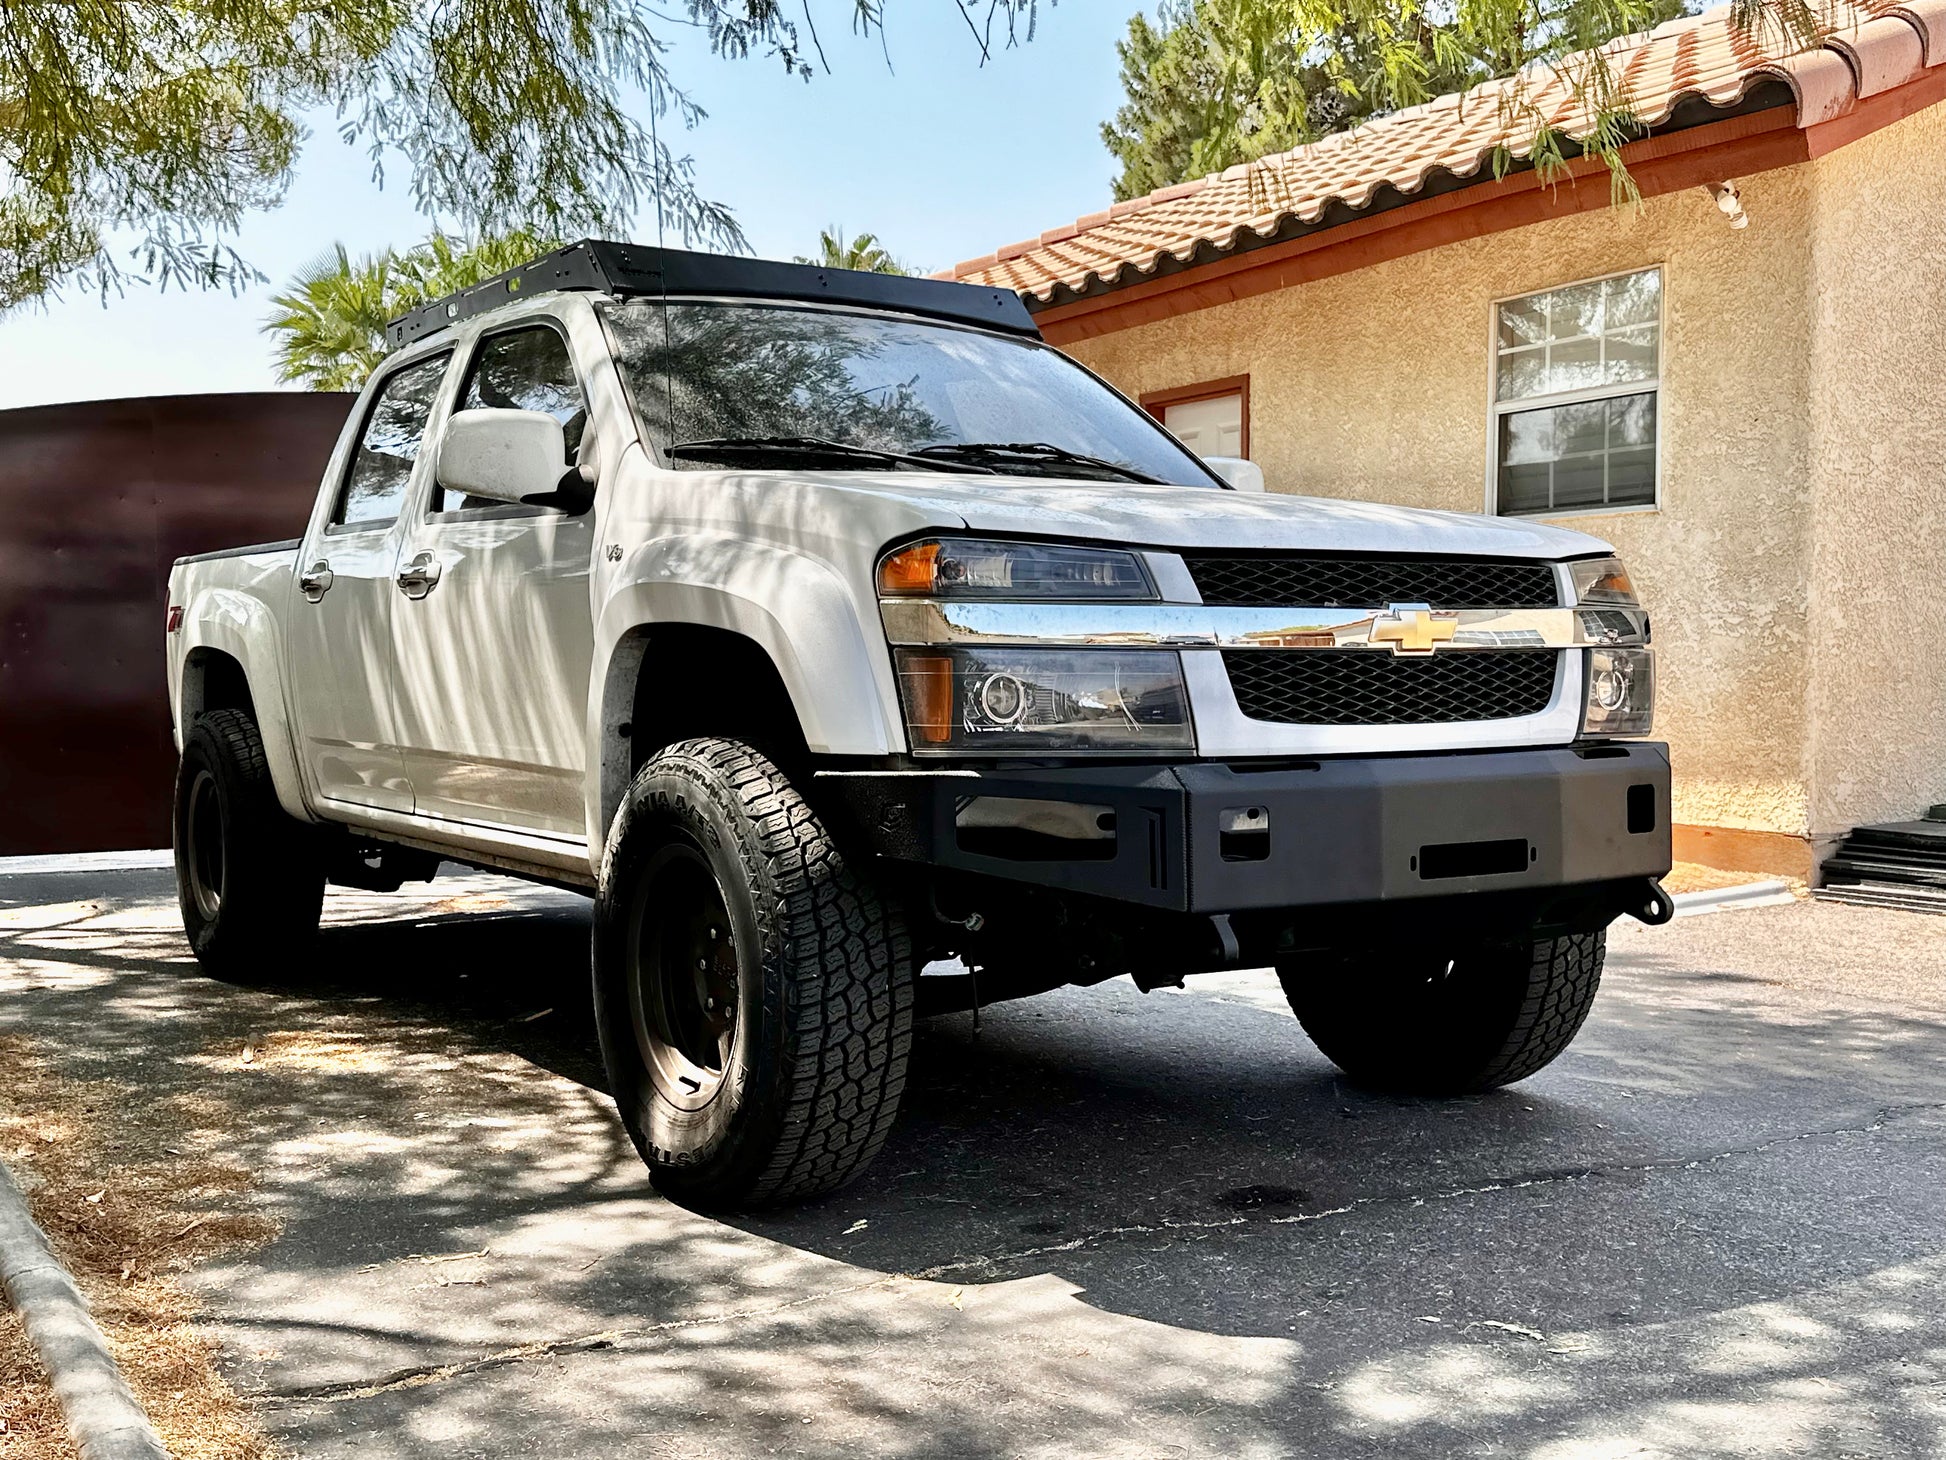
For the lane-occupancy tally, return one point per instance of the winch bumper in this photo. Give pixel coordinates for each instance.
(1232, 838)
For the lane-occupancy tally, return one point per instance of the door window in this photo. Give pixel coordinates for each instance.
(381, 467)
(521, 370)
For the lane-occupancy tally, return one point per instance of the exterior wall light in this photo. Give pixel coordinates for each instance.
(1729, 202)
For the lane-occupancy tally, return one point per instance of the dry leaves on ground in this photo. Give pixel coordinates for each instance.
(128, 1211)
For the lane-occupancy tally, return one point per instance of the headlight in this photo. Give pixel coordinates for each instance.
(1020, 701)
(1603, 580)
(974, 568)
(1621, 692)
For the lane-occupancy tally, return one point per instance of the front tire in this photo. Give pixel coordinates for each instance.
(1439, 1024)
(249, 876)
(754, 997)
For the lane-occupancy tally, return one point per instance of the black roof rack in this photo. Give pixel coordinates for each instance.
(639, 269)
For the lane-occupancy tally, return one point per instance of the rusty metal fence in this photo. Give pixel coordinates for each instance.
(96, 501)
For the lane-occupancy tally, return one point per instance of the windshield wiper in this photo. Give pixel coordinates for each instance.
(1019, 453)
(761, 448)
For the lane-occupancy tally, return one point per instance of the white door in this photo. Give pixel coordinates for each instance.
(494, 656)
(1212, 427)
(340, 661)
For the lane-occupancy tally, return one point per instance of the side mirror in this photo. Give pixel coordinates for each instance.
(1239, 473)
(511, 456)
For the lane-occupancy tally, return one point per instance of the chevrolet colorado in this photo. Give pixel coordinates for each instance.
(824, 625)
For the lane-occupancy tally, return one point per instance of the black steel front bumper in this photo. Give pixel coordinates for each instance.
(1224, 838)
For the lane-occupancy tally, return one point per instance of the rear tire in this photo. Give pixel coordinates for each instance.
(249, 876)
(1433, 1024)
(753, 995)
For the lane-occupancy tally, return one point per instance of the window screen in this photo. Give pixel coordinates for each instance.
(1576, 377)
(381, 467)
(521, 370)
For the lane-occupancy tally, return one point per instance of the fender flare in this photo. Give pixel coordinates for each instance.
(795, 608)
(234, 623)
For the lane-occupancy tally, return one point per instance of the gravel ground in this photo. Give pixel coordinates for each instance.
(1109, 1224)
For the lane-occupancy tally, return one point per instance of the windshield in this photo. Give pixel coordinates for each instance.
(746, 384)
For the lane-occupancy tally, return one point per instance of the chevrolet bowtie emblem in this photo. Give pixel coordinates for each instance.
(1413, 628)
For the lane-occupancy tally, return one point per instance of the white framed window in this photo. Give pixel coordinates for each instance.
(1577, 375)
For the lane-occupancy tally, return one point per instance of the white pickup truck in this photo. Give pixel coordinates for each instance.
(824, 625)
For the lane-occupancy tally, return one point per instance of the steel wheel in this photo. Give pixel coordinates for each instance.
(683, 993)
(203, 832)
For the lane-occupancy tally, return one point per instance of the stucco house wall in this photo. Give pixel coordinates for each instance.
(1788, 348)
(1877, 704)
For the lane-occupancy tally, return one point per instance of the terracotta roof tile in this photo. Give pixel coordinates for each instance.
(1874, 45)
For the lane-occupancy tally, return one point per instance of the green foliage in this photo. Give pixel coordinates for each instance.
(1212, 83)
(864, 253)
(329, 321)
(166, 121)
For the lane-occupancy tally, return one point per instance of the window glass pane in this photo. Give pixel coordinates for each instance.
(521, 370)
(1597, 453)
(1632, 420)
(1523, 322)
(1575, 365)
(1631, 476)
(1575, 310)
(1633, 299)
(381, 466)
(1632, 354)
(1527, 437)
(1523, 373)
(1526, 488)
(1580, 428)
(1578, 482)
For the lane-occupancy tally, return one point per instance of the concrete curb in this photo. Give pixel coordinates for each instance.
(87, 862)
(1727, 899)
(103, 1418)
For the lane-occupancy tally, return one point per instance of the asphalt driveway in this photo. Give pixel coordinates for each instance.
(1109, 1224)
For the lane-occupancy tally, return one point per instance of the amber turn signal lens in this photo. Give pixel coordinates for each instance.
(1614, 582)
(929, 697)
(911, 571)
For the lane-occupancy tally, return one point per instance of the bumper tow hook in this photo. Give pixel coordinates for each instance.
(1657, 906)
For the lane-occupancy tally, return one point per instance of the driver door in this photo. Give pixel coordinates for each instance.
(493, 633)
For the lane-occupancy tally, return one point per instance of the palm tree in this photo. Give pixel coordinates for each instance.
(330, 320)
(863, 253)
(329, 323)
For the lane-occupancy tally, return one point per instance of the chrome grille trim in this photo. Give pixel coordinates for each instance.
(1168, 625)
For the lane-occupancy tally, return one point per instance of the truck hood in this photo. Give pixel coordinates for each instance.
(1204, 517)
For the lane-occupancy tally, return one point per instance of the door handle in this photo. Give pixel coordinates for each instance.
(315, 581)
(420, 576)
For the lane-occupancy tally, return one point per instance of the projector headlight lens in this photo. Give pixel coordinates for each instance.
(1019, 701)
(1621, 692)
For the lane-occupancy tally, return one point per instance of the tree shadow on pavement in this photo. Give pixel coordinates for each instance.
(1701, 1230)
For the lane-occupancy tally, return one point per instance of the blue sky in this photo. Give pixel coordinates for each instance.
(942, 158)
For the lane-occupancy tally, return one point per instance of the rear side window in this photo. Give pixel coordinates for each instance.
(521, 370)
(381, 468)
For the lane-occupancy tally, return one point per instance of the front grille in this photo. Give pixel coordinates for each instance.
(1371, 582)
(1364, 687)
